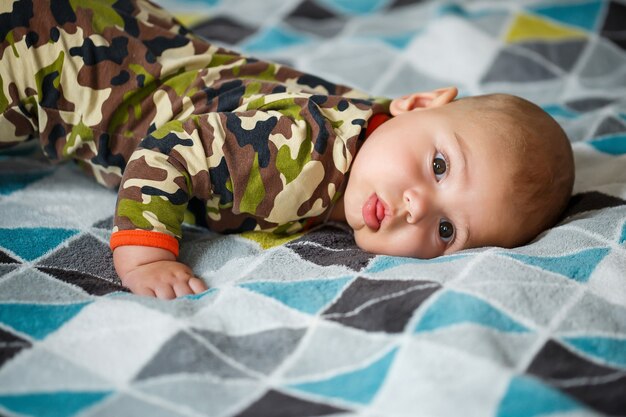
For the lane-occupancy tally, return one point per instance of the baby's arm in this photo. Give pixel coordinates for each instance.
(155, 272)
(165, 171)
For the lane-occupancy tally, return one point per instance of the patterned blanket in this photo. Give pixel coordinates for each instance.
(311, 325)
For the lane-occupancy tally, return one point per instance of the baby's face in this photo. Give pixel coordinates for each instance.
(430, 182)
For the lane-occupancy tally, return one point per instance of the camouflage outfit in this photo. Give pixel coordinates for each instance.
(173, 121)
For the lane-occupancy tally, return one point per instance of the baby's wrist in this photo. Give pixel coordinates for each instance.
(128, 258)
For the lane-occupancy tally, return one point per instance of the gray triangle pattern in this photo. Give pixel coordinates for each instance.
(278, 404)
(589, 103)
(589, 383)
(244, 349)
(185, 354)
(31, 285)
(11, 345)
(564, 54)
(312, 17)
(380, 305)
(224, 29)
(609, 126)
(403, 3)
(605, 60)
(511, 66)
(99, 262)
(322, 28)
(6, 269)
(582, 317)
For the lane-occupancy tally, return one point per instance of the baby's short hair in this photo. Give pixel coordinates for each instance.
(542, 160)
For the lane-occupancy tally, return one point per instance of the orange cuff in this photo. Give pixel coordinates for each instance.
(144, 238)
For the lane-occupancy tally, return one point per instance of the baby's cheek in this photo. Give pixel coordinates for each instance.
(375, 243)
(366, 242)
(414, 245)
(359, 239)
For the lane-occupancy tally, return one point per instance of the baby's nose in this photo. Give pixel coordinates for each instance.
(416, 205)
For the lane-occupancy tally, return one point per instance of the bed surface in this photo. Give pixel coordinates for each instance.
(311, 325)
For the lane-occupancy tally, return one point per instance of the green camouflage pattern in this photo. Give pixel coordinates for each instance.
(175, 122)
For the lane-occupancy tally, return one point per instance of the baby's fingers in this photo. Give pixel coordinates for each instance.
(165, 292)
(197, 285)
(182, 288)
(145, 291)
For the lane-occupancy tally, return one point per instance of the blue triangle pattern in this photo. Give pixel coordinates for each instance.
(206, 293)
(399, 41)
(609, 349)
(274, 38)
(306, 296)
(384, 262)
(577, 266)
(9, 183)
(20, 240)
(556, 111)
(527, 397)
(580, 14)
(54, 404)
(622, 238)
(454, 307)
(35, 320)
(613, 144)
(353, 7)
(455, 9)
(358, 386)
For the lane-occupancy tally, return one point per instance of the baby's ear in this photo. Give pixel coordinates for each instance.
(422, 100)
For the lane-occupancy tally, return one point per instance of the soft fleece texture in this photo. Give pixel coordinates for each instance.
(313, 326)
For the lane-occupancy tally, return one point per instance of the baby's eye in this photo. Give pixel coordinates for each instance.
(446, 230)
(440, 166)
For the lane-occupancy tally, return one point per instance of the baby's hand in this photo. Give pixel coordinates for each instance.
(154, 272)
(163, 279)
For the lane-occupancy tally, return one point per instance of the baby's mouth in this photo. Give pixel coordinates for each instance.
(373, 212)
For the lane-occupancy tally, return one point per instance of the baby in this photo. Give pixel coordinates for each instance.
(178, 124)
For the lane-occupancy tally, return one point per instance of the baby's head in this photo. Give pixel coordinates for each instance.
(444, 175)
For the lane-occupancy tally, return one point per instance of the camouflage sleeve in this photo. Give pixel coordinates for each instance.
(165, 171)
(279, 159)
